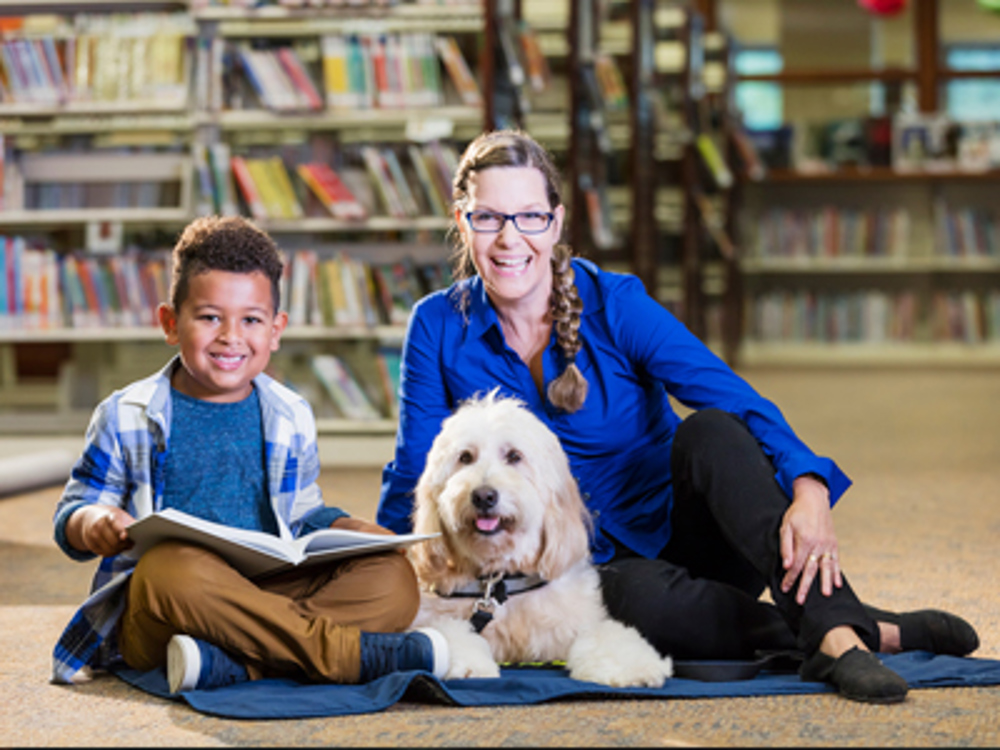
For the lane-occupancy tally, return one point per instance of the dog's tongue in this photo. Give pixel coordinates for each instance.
(487, 524)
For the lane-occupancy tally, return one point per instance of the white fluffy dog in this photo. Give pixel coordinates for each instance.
(513, 552)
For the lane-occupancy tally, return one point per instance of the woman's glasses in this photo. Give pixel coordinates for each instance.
(526, 222)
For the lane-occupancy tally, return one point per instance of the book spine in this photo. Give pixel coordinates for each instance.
(245, 181)
(459, 71)
(297, 73)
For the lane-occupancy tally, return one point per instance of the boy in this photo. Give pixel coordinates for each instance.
(212, 435)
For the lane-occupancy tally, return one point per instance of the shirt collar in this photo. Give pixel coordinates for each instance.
(482, 316)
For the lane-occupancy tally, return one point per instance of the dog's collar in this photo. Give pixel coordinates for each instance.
(493, 590)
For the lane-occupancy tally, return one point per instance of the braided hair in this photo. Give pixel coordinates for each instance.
(514, 148)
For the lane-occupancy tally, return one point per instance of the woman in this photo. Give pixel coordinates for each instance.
(692, 519)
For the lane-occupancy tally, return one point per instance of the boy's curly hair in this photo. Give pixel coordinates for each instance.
(223, 243)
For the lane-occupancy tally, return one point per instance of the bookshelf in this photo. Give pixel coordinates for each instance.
(684, 235)
(66, 146)
(872, 261)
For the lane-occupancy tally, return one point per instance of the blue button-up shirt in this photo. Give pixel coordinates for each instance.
(634, 354)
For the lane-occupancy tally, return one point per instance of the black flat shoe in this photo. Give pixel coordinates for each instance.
(931, 630)
(858, 675)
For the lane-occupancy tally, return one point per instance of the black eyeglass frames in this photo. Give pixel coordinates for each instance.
(526, 222)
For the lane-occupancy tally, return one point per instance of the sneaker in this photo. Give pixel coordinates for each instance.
(196, 665)
(424, 649)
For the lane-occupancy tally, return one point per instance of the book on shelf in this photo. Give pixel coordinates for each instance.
(220, 161)
(396, 285)
(833, 232)
(342, 387)
(256, 553)
(714, 161)
(299, 77)
(753, 165)
(979, 146)
(248, 188)
(279, 79)
(301, 285)
(381, 179)
(611, 83)
(436, 202)
(598, 213)
(924, 142)
(458, 71)
(406, 195)
(278, 174)
(384, 70)
(536, 64)
(965, 232)
(205, 191)
(332, 192)
(388, 362)
(78, 58)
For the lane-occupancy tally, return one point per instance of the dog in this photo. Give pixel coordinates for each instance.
(509, 578)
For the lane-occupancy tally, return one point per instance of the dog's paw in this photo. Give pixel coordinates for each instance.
(469, 652)
(616, 655)
(472, 665)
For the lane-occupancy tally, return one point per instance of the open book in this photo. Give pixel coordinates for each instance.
(257, 553)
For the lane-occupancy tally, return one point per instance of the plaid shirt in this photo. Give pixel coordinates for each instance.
(123, 465)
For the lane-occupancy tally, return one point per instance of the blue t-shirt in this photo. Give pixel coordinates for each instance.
(634, 354)
(215, 466)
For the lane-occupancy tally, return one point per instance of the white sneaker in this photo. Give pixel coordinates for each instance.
(183, 663)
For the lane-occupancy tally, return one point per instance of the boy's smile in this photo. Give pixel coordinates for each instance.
(226, 330)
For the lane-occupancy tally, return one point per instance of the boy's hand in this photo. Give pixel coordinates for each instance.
(102, 529)
(350, 523)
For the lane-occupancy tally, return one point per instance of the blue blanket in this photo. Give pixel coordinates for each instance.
(287, 699)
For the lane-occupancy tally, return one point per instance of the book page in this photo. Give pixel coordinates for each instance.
(257, 553)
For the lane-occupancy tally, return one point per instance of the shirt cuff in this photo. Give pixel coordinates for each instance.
(823, 469)
(321, 518)
(60, 521)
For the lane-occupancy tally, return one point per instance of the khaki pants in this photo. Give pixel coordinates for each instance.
(300, 624)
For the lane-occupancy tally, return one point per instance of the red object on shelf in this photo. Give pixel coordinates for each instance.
(883, 7)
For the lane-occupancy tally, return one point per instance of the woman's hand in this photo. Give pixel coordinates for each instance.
(808, 541)
(100, 529)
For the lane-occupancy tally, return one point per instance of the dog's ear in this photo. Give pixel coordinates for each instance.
(565, 531)
(429, 558)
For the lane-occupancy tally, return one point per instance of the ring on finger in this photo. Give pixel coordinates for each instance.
(813, 558)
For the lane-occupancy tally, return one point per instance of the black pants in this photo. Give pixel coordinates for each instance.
(700, 599)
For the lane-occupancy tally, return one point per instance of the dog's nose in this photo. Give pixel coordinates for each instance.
(484, 498)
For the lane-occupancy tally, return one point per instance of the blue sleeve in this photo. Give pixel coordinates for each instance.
(98, 476)
(321, 518)
(423, 404)
(699, 379)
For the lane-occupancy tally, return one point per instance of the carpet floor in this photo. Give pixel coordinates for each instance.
(918, 529)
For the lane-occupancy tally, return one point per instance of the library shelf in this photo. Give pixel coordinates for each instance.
(377, 427)
(320, 225)
(81, 216)
(897, 265)
(106, 357)
(869, 353)
(65, 122)
(17, 7)
(878, 174)
(289, 22)
(132, 107)
(390, 335)
(256, 119)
